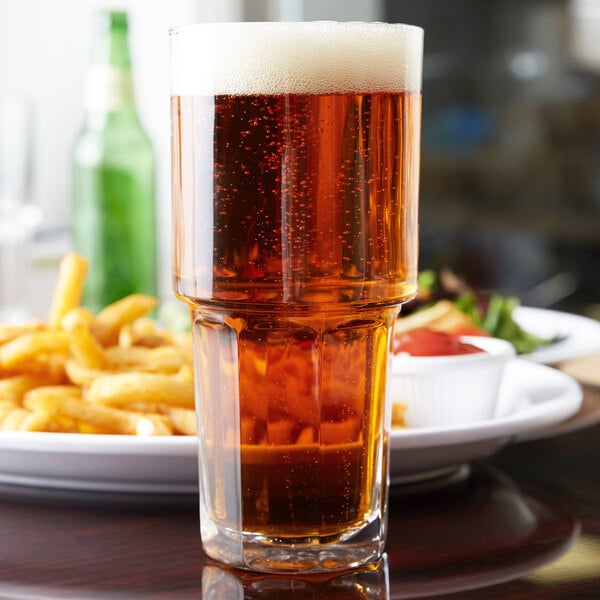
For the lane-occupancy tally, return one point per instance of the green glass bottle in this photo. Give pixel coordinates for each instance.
(114, 207)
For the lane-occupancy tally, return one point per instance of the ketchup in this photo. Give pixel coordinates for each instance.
(428, 342)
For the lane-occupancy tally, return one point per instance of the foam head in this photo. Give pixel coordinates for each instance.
(295, 58)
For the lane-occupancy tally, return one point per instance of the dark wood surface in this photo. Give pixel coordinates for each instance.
(523, 524)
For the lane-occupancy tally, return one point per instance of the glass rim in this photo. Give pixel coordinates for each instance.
(178, 29)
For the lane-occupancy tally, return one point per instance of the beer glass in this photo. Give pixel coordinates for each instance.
(295, 153)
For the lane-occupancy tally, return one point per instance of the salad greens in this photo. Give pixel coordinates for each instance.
(492, 313)
(498, 321)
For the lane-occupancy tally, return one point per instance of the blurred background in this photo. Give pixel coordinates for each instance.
(510, 174)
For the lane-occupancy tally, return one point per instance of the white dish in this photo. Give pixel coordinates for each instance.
(107, 463)
(532, 397)
(453, 389)
(581, 334)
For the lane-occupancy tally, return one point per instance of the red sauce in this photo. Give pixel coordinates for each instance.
(428, 342)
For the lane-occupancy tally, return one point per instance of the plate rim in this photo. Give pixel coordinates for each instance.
(552, 354)
(545, 414)
(93, 443)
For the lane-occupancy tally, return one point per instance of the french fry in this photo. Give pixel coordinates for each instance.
(187, 373)
(12, 421)
(49, 367)
(76, 318)
(40, 421)
(66, 401)
(124, 360)
(13, 388)
(183, 419)
(163, 359)
(248, 430)
(10, 331)
(343, 432)
(86, 350)
(6, 407)
(82, 376)
(35, 397)
(23, 348)
(69, 287)
(280, 432)
(144, 333)
(147, 407)
(124, 388)
(306, 436)
(398, 412)
(111, 319)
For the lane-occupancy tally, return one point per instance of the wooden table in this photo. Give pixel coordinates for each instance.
(524, 524)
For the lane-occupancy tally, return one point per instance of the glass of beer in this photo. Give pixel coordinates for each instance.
(295, 153)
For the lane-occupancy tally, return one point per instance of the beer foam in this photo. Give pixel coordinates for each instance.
(317, 57)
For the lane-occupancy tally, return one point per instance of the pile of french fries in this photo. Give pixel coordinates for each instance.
(114, 372)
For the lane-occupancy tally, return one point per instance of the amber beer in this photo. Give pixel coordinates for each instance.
(295, 242)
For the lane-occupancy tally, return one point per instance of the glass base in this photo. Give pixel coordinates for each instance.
(370, 582)
(355, 548)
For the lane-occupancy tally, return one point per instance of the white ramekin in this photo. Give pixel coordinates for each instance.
(443, 391)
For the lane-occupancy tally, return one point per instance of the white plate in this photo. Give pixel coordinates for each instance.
(114, 463)
(533, 397)
(581, 334)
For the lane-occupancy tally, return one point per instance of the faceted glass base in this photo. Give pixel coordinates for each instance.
(370, 582)
(355, 548)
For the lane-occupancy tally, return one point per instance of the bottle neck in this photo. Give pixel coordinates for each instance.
(109, 83)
